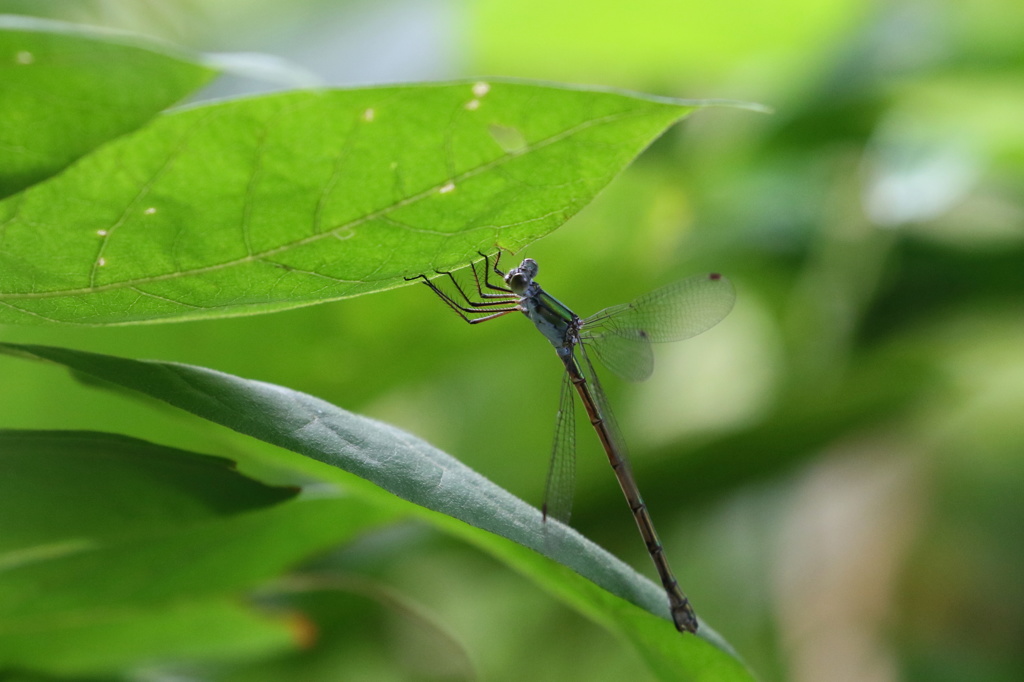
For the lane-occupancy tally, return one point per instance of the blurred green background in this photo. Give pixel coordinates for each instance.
(836, 470)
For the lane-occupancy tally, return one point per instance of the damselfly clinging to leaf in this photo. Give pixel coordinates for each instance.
(621, 338)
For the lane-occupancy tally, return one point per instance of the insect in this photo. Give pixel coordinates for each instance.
(620, 337)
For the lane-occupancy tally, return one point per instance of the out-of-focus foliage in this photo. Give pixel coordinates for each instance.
(835, 470)
(64, 93)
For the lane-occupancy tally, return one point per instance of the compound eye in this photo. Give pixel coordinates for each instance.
(517, 282)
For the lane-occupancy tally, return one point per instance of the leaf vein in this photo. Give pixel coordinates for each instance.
(334, 232)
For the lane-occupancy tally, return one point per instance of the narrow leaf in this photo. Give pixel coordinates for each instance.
(418, 473)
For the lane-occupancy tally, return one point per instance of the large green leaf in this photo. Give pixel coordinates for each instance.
(290, 199)
(217, 557)
(459, 500)
(61, 486)
(65, 89)
(98, 643)
(116, 551)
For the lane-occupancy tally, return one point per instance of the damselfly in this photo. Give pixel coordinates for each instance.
(621, 338)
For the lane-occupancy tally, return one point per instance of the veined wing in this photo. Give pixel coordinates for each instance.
(620, 335)
(561, 483)
(626, 353)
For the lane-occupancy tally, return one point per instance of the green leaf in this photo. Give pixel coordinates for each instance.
(61, 486)
(449, 495)
(116, 551)
(218, 557)
(274, 202)
(66, 89)
(105, 643)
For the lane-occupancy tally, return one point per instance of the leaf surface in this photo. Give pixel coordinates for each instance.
(68, 484)
(273, 202)
(116, 552)
(440, 488)
(65, 89)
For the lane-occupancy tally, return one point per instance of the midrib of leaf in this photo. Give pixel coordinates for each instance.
(311, 239)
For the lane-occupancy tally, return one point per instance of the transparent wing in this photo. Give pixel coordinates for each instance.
(620, 335)
(674, 312)
(627, 353)
(561, 481)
